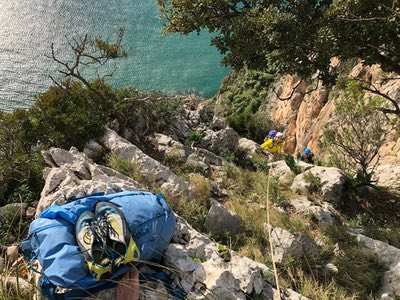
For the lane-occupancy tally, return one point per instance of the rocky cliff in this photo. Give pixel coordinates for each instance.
(305, 114)
(221, 247)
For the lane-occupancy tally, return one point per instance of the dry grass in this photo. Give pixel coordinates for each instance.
(309, 287)
(359, 274)
(15, 283)
(200, 189)
(128, 168)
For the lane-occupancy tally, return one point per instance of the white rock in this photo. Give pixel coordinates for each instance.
(388, 176)
(390, 256)
(288, 245)
(208, 157)
(12, 254)
(218, 123)
(281, 170)
(195, 162)
(221, 221)
(56, 157)
(93, 150)
(62, 183)
(303, 166)
(247, 146)
(324, 214)
(198, 263)
(220, 142)
(30, 212)
(332, 181)
(168, 147)
(149, 168)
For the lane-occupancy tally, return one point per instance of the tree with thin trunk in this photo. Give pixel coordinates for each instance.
(356, 134)
(88, 53)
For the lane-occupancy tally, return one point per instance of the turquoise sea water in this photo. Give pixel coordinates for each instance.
(168, 63)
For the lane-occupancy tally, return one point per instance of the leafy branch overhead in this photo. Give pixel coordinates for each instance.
(87, 52)
(295, 37)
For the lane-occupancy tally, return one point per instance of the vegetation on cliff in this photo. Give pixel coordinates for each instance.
(240, 98)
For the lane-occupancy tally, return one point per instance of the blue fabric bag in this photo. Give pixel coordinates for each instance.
(51, 240)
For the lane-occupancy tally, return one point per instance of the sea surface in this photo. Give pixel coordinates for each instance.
(172, 63)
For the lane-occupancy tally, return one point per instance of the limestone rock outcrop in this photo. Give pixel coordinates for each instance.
(74, 175)
(390, 256)
(150, 169)
(201, 264)
(196, 263)
(330, 180)
(388, 175)
(323, 213)
(221, 142)
(221, 221)
(248, 147)
(288, 245)
(282, 171)
(306, 113)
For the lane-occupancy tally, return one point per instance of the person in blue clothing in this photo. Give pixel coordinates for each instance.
(307, 155)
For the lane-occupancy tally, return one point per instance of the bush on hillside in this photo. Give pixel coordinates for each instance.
(59, 117)
(243, 93)
(70, 117)
(20, 160)
(355, 135)
(147, 112)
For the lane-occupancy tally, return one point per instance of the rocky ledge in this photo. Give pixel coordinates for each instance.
(196, 263)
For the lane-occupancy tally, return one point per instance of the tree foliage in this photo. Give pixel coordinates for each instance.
(65, 118)
(296, 37)
(356, 133)
(20, 160)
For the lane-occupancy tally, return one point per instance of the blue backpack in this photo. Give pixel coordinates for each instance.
(51, 241)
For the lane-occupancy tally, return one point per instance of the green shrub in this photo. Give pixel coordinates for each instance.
(275, 193)
(194, 137)
(359, 272)
(71, 117)
(355, 135)
(128, 168)
(243, 93)
(21, 163)
(148, 112)
(12, 224)
(314, 181)
(292, 164)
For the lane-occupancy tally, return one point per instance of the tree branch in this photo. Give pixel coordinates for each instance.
(294, 90)
(374, 90)
(88, 52)
(291, 93)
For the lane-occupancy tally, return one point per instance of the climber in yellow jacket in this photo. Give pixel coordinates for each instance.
(273, 145)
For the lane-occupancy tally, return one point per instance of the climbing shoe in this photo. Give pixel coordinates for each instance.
(121, 246)
(93, 248)
(84, 234)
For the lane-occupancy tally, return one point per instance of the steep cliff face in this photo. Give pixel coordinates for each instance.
(305, 115)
